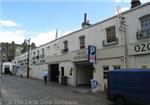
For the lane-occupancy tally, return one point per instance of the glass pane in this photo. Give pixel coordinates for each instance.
(111, 34)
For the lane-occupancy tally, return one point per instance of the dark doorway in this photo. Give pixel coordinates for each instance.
(7, 70)
(84, 73)
(54, 73)
(62, 71)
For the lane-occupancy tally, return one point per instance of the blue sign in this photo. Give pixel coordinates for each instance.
(92, 54)
(17, 66)
(94, 84)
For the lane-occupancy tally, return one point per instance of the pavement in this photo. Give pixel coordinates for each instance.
(23, 91)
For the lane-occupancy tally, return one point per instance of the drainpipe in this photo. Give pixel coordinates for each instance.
(123, 28)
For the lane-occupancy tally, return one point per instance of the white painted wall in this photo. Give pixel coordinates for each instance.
(37, 70)
(133, 22)
(22, 71)
(94, 35)
(67, 67)
(98, 75)
(139, 61)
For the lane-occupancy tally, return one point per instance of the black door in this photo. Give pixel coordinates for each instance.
(54, 73)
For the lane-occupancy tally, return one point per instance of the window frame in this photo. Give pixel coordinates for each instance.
(82, 41)
(111, 34)
(43, 53)
(65, 44)
(105, 72)
(145, 25)
(115, 67)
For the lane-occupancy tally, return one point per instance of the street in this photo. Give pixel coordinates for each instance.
(23, 91)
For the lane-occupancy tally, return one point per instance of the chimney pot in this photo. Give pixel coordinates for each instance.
(135, 3)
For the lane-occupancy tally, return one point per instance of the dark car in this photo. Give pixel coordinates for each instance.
(129, 86)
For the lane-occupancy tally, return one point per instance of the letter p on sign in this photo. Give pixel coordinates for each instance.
(91, 54)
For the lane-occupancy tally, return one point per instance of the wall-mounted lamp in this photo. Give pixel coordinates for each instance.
(71, 71)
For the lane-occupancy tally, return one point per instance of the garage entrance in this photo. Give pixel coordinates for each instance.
(7, 69)
(84, 74)
(54, 73)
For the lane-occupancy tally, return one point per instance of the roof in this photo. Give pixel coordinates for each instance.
(130, 10)
(133, 9)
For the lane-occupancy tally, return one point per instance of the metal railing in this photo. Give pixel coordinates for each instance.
(143, 34)
(109, 43)
(64, 50)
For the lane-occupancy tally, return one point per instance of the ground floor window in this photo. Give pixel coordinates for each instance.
(105, 71)
(116, 67)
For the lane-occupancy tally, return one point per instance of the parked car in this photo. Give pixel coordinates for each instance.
(129, 86)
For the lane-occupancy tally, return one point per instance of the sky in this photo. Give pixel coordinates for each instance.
(39, 19)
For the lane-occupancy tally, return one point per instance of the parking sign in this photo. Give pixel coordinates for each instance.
(92, 54)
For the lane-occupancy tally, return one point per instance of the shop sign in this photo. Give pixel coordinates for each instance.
(142, 47)
(82, 54)
(91, 54)
(139, 48)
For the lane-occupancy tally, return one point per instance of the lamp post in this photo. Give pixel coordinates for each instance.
(28, 57)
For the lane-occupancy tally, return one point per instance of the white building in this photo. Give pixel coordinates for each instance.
(121, 41)
(20, 65)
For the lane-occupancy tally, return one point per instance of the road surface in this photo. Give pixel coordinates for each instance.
(23, 91)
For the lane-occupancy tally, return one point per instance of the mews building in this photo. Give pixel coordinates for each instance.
(121, 41)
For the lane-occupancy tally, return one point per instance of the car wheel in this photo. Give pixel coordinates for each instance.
(120, 101)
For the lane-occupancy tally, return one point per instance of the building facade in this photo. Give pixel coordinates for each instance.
(121, 41)
(8, 51)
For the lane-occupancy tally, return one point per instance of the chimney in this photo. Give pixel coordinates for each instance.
(33, 45)
(85, 23)
(85, 15)
(135, 3)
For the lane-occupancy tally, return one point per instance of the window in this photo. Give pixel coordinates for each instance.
(105, 71)
(3, 49)
(38, 52)
(66, 44)
(48, 47)
(33, 55)
(82, 42)
(111, 34)
(65, 50)
(116, 67)
(145, 25)
(42, 53)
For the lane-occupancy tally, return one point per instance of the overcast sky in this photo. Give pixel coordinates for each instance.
(39, 19)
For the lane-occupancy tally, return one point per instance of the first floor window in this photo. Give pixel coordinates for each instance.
(145, 25)
(42, 52)
(82, 42)
(111, 34)
(66, 44)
